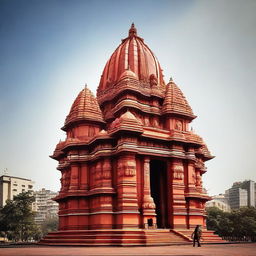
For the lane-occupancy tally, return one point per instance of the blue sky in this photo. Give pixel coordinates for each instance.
(49, 49)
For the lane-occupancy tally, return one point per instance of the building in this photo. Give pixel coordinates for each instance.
(44, 206)
(220, 201)
(249, 186)
(221, 198)
(241, 194)
(11, 186)
(130, 160)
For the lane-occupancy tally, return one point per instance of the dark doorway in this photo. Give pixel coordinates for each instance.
(158, 186)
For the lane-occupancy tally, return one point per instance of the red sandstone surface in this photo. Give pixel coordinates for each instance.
(207, 250)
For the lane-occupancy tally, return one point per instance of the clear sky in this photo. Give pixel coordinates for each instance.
(50, 48)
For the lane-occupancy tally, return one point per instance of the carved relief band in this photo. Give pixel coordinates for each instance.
(126, 167)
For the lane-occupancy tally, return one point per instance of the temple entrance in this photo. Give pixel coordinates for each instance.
(158, 187)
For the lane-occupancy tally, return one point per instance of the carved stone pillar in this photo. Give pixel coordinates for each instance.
(127, 200)
(191, 177)
(178, 203)
(195, 208)
(148, 206)
(102, 205)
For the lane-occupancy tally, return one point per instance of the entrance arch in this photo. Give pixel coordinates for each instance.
(159, 191)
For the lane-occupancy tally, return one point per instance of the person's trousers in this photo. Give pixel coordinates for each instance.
(196, 239)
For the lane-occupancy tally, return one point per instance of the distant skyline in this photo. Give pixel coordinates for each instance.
(49, 49)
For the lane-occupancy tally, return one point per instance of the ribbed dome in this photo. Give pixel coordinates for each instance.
(85, 107)
(132, 54)
(175, 102)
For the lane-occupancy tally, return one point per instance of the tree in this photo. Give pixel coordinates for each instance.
(50, 224)
(219, 221)
(17, 218)
(237, 223)
(244, 221)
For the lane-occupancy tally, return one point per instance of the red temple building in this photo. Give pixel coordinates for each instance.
(131, 168)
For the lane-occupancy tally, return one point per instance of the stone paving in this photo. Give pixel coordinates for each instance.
(181, 250)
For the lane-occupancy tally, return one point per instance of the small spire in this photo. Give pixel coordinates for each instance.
(171, 80)
(132, 31)
(85, 85)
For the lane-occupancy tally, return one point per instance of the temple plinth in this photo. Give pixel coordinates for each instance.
(131, 168)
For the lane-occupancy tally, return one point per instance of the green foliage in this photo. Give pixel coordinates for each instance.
(50, 224)
(17, 218)
(237, 223)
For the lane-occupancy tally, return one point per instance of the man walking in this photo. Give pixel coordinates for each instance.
(196, 235)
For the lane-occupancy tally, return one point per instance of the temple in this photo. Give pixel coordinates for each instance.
(131, 167)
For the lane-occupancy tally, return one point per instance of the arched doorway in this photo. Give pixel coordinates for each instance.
(159, 191)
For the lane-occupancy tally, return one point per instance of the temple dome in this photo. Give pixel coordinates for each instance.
(85, 107)
(132, 54)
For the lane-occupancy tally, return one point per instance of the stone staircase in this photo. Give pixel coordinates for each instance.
(114, 237)
(208, 236)
(164, 237)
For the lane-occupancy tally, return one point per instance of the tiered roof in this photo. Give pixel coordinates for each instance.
(85, 107)
(175, 102)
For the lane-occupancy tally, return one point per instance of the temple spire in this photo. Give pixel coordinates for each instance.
(132, 31)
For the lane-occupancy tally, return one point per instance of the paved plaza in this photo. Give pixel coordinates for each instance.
(207, 250)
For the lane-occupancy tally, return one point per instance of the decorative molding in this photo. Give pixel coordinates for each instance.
(178, 171)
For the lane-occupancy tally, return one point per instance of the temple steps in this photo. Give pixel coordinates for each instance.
(208, 236)
(114, 237)
(120, 237)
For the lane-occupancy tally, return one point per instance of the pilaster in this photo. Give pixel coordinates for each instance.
(127, 202)
(74, 181)
(148, 206)
(195, 206)
(177, 187)
(83, 184)
(101, 204)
